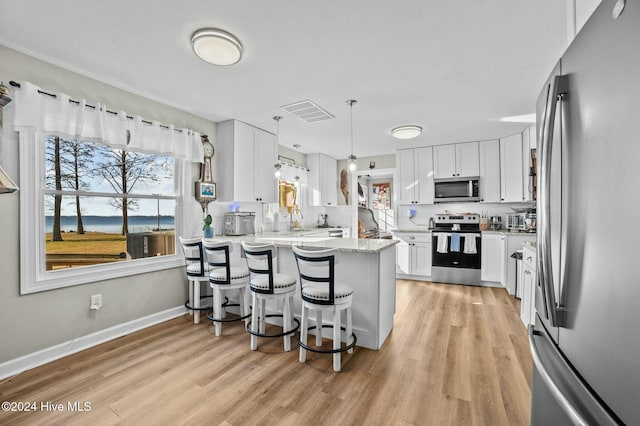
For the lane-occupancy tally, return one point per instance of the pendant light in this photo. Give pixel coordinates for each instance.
(353, 165)
(277, 167)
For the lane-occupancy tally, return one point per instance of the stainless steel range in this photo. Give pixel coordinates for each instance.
(456, 251)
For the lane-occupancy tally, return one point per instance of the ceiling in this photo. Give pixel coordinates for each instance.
(453, 67)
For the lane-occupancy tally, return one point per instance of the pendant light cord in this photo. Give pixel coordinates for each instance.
(277, 118)
(351, 102)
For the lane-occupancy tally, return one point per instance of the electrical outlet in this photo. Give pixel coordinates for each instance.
(96, 302)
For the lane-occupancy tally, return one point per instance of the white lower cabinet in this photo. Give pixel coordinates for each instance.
(493, 266)
(413, 254)
(529, 277)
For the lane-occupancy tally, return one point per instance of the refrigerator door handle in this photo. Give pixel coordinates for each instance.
(553, 311)
(568, 408)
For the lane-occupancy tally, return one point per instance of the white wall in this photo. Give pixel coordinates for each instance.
(578, 13)
(37, 321)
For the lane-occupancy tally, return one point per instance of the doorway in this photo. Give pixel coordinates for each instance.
(375, 192)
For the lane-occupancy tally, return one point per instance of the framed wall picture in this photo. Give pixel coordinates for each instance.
(205, 192)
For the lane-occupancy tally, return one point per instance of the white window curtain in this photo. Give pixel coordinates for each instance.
(292, 173)
(35, 112)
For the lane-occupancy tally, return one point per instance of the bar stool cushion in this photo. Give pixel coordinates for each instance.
(320, 291)
(282, 283)
(193, 269)
(238, 274)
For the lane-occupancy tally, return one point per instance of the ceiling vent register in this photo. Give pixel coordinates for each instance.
(308, 111)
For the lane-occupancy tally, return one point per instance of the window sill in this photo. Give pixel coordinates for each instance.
(88, 274)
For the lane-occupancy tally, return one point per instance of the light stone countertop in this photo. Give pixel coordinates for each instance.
(510, 233)
(307, 239)
(415, 229)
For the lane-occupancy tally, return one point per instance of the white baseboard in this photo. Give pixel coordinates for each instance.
(27, 362)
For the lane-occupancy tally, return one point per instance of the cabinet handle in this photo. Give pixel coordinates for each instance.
(529, 258)
(527, 272)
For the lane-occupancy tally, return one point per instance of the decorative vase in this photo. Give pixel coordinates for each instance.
(208, 232)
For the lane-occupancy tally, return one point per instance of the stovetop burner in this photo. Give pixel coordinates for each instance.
(468, 222)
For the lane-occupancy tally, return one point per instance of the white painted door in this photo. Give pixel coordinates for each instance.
(265, 150)
(493, 258)
(402, 258)
(244, 162)
(444, 161)
(467, 159)
(527, 292)
(511, 169)
(328, 180)
(407, 181)
(489, 171)
(421, 259)
(423, 172)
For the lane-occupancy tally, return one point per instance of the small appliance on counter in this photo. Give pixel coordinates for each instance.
(496, 223)
(530, 220)
(522, 221)
(239, 223)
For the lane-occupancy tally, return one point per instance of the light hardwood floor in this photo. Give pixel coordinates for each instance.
(458, 355)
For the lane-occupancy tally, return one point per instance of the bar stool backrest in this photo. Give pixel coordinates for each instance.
(316, 266)
(260, 260)
(218, 255)
(193, 255)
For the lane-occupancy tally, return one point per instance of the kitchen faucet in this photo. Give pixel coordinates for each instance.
(295, 224)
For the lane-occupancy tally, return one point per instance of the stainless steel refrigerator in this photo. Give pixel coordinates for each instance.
(586, 338)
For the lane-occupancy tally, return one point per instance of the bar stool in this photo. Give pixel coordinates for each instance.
(321, 293)
(224, 277)
(266, 284)
(197, 272)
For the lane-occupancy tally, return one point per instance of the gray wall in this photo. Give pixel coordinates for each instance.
(37, 321)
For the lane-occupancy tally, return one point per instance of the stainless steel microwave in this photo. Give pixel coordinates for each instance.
(457, 189)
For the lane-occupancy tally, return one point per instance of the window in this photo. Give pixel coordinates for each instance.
(101, 212)
(88, 219)
(119, 177)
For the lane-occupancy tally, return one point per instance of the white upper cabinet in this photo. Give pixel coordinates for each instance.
(467, 159)
(323, 180)
(456, 160)
(414, 168)
(444, 161)
(245, 159)
(511, 173)
(489, 171)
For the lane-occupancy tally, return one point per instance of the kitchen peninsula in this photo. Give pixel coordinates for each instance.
(366, 265)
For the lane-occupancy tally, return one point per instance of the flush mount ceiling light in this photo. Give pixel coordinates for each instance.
(216, 46)
(406, 132)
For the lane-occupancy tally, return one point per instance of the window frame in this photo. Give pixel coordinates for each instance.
(33, 274)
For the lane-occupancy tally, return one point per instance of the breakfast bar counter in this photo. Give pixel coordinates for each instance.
(366, 265)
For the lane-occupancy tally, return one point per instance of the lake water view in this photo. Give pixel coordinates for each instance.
(111, 224)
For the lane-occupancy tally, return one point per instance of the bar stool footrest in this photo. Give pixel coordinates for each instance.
(202, 308)
(226, 305)
(328, 351)
(284, 333)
